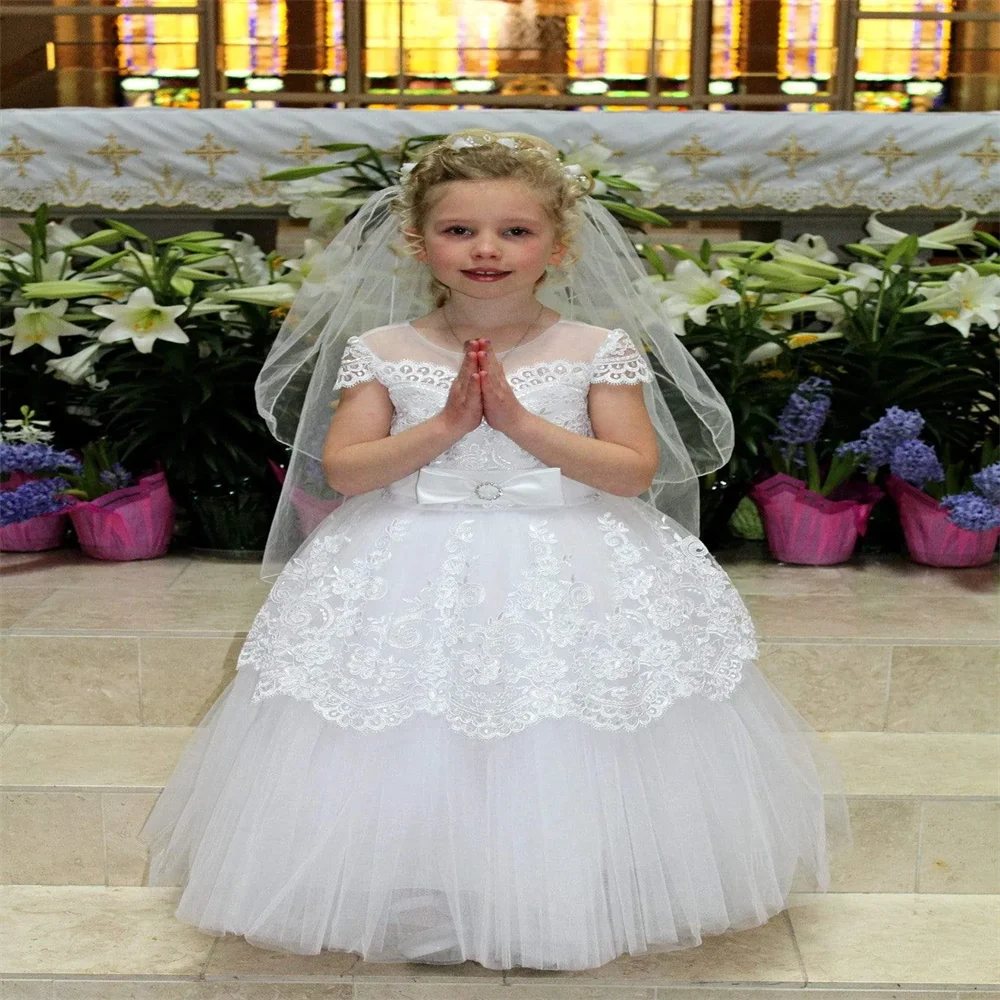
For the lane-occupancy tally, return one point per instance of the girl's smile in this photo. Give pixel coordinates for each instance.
(489, 232)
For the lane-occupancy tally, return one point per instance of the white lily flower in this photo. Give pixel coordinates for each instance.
(142, 321)
(308, 267)
(777, 323)
(42, 325)
(805, 339)
(968, 297)
(763, 353)
(251, 259)
(59, 236)
(591, 156)
(807, 245)
(692, 292)
(946, 238)
(646, 178)
(75, 368)
(52, 269)
(326, 215)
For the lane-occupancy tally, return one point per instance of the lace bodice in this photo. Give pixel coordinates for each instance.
(551, 376)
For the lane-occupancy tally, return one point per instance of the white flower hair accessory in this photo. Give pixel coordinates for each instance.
(573, 171)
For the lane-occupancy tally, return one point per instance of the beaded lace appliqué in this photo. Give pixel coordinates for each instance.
(657, 621)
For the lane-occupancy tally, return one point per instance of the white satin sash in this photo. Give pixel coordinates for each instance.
(545, 487)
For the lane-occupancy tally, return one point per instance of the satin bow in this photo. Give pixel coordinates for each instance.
(533, 487)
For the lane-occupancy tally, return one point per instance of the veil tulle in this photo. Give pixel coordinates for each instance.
(360, 282)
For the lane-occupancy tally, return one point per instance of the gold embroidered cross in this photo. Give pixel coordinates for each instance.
(889, 154)
(20, 154)
(305, 152)
(985, 156)
(695, 153)
(210, 152)
(114, 153)
(792, 154)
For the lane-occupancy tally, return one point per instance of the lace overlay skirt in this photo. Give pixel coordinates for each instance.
(526, 738)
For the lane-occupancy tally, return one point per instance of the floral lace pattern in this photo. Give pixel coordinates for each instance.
(673, 627)
(556, 390)
(601, 612)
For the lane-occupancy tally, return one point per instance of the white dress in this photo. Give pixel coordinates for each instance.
(529, 736)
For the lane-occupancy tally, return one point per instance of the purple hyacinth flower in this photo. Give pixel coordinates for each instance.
(38, 496)
(804, 414)
(34, 458)
(917, 463)
(988, 482)
(972, 511)
(882, 438)
(117, 477)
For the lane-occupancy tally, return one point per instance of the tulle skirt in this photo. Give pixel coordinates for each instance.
(561, 846)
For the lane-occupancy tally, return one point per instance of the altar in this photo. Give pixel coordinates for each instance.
(737, 164)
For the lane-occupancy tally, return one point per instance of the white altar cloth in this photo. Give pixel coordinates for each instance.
(215, 159)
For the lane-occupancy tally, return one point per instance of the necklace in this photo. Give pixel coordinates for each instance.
(500, 354)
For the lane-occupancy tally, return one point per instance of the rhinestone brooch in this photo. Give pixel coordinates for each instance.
(488, 491)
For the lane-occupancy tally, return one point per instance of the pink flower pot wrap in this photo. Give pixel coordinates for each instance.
(47, 531)
(132, 523)
(312, 511)
(930, 537)
(811, 530)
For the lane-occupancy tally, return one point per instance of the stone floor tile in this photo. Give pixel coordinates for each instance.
(899, 939)
(94, 930)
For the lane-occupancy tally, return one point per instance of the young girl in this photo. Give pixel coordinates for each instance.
(501, 704)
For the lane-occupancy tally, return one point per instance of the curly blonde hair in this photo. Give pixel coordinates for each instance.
(480, 154)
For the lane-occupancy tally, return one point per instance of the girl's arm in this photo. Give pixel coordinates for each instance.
(622, 456)
(359, 454)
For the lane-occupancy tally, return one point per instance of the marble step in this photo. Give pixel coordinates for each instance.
(925, 807)
(172, 680)
(122, 942)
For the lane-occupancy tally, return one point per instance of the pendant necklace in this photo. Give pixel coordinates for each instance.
(500, 354)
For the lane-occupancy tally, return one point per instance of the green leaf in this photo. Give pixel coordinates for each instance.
(127, 230)
(298, 173)
(633, 213)
(343, 147)
(988, 238)
(618, 183)
(654, 258)
(905, 250)
(680, 253)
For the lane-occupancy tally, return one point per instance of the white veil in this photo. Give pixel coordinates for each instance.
(366, 284)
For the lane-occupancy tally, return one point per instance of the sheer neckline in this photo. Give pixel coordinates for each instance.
(438, 347)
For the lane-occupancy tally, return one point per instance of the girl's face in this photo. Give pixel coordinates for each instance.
(488, 239)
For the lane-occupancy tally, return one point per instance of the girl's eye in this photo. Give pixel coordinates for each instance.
(452, 229)
(518, 231)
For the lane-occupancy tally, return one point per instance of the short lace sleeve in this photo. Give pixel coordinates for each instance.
(618, 362)
(356, 365)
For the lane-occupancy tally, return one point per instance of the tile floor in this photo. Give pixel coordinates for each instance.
(106, 667)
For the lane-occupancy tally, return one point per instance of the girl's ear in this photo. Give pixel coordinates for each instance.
(415, 241)
(558, 254)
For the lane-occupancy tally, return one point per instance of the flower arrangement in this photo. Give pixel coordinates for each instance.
(817, 519)
(329, 204)
(950, 515)
(167, 346)
(886, 331)
(33, 487)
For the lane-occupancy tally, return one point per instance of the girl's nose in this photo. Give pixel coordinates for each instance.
(485, 248)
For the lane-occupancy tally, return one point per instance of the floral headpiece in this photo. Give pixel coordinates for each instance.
(572, 170)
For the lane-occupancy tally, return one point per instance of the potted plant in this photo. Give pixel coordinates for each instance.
(171, 353)
(32, 501)
(114, 516)
(943, 525)
(817, 520)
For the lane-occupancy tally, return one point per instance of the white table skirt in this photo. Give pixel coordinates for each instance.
(126, 159)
